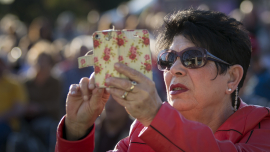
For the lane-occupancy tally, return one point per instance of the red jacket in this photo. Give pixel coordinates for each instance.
(247, 130)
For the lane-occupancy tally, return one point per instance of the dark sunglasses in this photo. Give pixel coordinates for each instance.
(192, 57)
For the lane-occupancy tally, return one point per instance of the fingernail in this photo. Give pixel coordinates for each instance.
(85, 98)
(73, 89)
(117, 65)
(107, 89)
(91, 86)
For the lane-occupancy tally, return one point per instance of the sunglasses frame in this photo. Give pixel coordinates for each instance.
(206, 56)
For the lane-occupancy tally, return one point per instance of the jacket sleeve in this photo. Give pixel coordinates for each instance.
(84, 145)
(172, 132)
(123, 145)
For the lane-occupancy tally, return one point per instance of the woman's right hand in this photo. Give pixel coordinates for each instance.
(83, 105)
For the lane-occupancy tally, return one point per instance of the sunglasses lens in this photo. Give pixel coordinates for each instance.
(192, 59)
(166, 60)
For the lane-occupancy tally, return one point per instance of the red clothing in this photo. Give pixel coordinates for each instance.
(247, 130)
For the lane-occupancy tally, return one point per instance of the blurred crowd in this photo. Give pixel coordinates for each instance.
(38, 63)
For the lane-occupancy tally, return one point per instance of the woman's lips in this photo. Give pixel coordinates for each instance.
(182, 87)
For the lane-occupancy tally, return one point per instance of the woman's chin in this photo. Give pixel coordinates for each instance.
(181, 105)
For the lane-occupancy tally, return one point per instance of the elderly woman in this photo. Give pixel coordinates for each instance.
(205, 58)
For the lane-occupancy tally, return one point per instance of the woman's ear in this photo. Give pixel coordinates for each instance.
(235, 76)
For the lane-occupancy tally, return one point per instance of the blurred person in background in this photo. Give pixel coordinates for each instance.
(112, 126)
(40, 29)
(263, 75)
(12, 104)
(257, 87)
(71, 74)
(44, 92)
(65, 26)
(12, 28)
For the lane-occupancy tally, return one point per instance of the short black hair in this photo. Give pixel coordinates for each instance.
(224, 37)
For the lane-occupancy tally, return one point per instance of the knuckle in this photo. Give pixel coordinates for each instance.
(112, 91)
(144, 94)
(127, 85)
(133, 73)
(97, 96)
(152, 83)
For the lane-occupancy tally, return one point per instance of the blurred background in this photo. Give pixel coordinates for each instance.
(40, 41)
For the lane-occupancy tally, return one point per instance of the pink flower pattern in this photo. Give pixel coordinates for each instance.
(96, 43)
(133, 53)
(120, 58)
(132, 56)
(145, 40)
(145, 32)
(106, 58)
(107, 54)
(136, 54)
(95, 59)
(120, 42)
(97, 69)
(146, 57)
(133, 50)
(118, 32)
(148, 66)
(82, 62)
(107, 51)
(107, 76)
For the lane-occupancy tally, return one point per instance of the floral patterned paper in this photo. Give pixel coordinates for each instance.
(85, 61)
(130, 47)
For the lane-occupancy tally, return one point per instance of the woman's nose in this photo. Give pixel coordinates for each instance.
(177, 68)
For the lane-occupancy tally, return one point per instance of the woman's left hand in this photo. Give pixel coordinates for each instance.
(143, 102)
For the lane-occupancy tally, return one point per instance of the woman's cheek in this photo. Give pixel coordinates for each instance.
(167, 79)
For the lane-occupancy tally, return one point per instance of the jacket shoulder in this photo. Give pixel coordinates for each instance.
(255, 115)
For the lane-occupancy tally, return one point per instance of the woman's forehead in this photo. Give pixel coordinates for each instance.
(180, 43)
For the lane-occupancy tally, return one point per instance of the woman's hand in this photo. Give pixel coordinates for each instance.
(143, 101)
(83, 105)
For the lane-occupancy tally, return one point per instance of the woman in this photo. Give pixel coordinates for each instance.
(203, 112)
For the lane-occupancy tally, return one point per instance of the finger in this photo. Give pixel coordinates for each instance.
(84, 88)
(124, 84)
(119, 93)
(91, 84)
(131, 73)
(106, 94)
(98, 94)
(120, 100)
(73, 101)
(74, 89)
